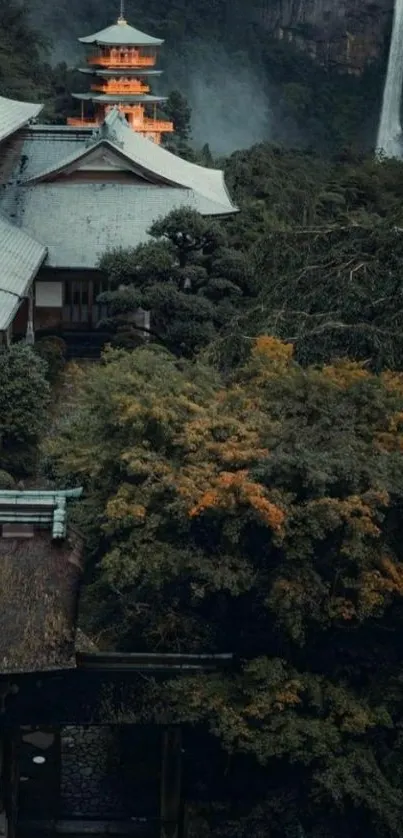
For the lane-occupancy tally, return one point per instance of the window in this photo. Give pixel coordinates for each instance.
(48, 294)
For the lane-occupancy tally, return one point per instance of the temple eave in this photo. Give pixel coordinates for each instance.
(121, 34)
(119, 99)
(119, 71)
(152, 42)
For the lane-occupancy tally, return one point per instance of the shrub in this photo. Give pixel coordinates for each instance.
(6, 480)
(24, 400)
(53, 351)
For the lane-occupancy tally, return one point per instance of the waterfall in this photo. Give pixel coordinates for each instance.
(390, 138)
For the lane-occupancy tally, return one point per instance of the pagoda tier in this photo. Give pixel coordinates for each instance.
(129, 72)
(122, 60)
(121, 98)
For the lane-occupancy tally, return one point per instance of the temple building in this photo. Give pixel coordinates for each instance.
(69, 193)
(122, 65)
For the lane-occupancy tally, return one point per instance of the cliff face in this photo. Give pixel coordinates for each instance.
(345, 35)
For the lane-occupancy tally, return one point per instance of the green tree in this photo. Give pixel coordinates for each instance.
(189, 233)
(178, 278)
(179, 112)
(22, 71)
(261, 516)
(333, 291)
(24, 400)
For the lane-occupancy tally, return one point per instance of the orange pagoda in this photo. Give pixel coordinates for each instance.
(122, 62)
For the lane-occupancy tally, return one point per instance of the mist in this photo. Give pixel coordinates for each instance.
(228, 96)
(230, 106)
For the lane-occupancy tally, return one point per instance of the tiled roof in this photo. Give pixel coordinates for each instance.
(44, 149)
(45, 509)
(20, 259)
(121, 34)
(152, 160)
(109, 98)
(80, 221)
(138, 71)
(13, 115)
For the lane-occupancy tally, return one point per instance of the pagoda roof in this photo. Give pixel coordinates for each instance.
(115, 98)
(14, 115)
(20, 259)
(120, 71)
(121, 34)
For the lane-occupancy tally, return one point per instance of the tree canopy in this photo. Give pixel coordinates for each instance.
(310, 105)
(187, 277)
(259, 516)
(242, 462)
(24, 400)
(22, 70)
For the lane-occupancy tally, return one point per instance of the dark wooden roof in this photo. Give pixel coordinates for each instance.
(155, 663)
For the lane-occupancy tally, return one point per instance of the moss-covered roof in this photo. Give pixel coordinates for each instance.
(40, 570)
(39, 586)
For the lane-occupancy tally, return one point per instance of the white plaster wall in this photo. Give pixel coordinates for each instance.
(49, 294)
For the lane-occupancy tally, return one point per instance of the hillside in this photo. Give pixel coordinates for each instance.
(307, 74)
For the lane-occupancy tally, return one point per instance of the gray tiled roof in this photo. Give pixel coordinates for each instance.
(20, 259)
(80, 221)
(47, 509)
(43, 149)
(139, 71)
(121, 34)
(152, 160)
(109, 98)
(13, 115)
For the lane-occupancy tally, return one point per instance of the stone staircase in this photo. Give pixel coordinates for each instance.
(86, 345)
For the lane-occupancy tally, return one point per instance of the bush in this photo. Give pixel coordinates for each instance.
(53, 351)
(24, 401)
(6, 480)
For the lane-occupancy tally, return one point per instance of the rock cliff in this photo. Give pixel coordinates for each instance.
(345, 35)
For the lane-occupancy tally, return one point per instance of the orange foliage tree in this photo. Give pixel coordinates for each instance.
(260, 516)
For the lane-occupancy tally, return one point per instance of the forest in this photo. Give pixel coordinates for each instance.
(242, 462)
(285, 96)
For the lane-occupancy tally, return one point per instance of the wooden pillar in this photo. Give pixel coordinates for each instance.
(171, 781)
(3, 816)
(9, 780)
(30, 333)
(91, 302)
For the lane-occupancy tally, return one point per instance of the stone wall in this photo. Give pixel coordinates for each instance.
(91, 786)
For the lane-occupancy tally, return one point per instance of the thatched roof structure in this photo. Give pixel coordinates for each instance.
(40, 570)
(39, 585)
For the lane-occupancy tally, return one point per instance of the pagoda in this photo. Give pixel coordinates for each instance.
(122, 62)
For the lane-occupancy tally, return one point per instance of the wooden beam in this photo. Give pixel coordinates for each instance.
(171, 782)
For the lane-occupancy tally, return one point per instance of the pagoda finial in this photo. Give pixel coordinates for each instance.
(122, 18)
